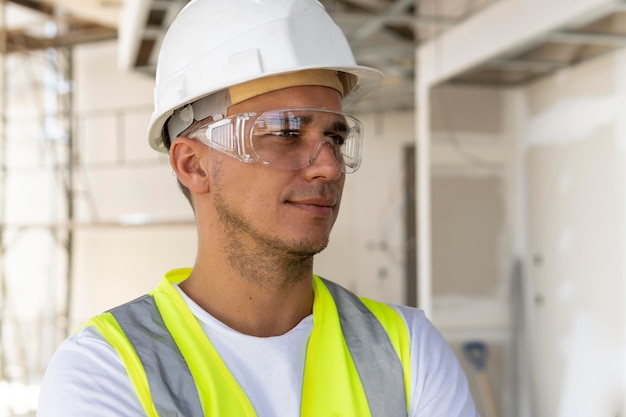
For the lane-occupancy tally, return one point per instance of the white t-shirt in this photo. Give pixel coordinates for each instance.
(85, 377)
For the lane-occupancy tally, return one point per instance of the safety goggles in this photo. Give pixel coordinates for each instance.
(287, 139)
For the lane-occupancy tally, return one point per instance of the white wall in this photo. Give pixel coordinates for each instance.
(472, 234)
(568, 131)
(564, 204)
(576, 212)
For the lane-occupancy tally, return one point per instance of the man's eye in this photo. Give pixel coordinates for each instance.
(336, 138)
(286, 133)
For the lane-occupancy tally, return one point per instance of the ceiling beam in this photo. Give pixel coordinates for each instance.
(37, 6)
(525, 65)
(72, 30)
(19, 40)
(376, 23)
(587, 38)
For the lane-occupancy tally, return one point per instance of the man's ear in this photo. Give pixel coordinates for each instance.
(186, 161)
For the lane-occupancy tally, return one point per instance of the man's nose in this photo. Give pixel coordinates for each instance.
(327, 157)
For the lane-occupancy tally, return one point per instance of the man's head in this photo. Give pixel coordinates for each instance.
(248, 103)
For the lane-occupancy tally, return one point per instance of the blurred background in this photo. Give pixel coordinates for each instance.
(492, 195)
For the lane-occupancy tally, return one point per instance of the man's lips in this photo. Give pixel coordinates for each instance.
(318, 206)
(319, 199)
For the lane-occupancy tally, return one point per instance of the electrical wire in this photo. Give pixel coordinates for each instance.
(449, 127)
(453, 140)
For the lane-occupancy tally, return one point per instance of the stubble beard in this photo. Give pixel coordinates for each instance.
(259, 257)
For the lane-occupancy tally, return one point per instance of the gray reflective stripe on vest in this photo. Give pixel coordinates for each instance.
(174, 392)
(170, 382)
(374, 357)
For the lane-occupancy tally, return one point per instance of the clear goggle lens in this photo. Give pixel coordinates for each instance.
(288, 138)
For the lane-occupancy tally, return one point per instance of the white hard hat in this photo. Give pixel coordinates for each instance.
(215, 44)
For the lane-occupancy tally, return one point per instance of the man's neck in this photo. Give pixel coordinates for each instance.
(258, 305)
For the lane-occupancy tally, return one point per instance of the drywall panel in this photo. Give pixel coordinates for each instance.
(579, 286)
(580, 84)
(474, 109)
(126, 191)
(101, 85)
(470, 260)
(115, 265)
(576, 217)
(468, 222)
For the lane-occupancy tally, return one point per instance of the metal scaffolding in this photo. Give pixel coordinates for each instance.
(23, 351)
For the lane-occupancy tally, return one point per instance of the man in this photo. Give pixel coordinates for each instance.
(248, 103)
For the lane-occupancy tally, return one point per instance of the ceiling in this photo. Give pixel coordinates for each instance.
(562, 47)
(383, 34)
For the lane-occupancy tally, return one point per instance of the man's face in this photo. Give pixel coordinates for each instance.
(279, 211)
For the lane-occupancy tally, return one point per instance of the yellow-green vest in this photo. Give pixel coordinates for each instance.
(357, 357)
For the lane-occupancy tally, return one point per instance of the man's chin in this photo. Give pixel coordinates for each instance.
(308, 249)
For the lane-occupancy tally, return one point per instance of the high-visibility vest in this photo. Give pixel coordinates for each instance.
(356, 363)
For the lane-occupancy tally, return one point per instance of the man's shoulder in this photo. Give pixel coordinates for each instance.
(86, 377)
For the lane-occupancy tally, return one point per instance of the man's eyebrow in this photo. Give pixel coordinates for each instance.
(337, 125)
(340, 126)
(304, 118)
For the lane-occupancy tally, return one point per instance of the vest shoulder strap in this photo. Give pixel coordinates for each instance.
(378, 365)
(171, 390)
